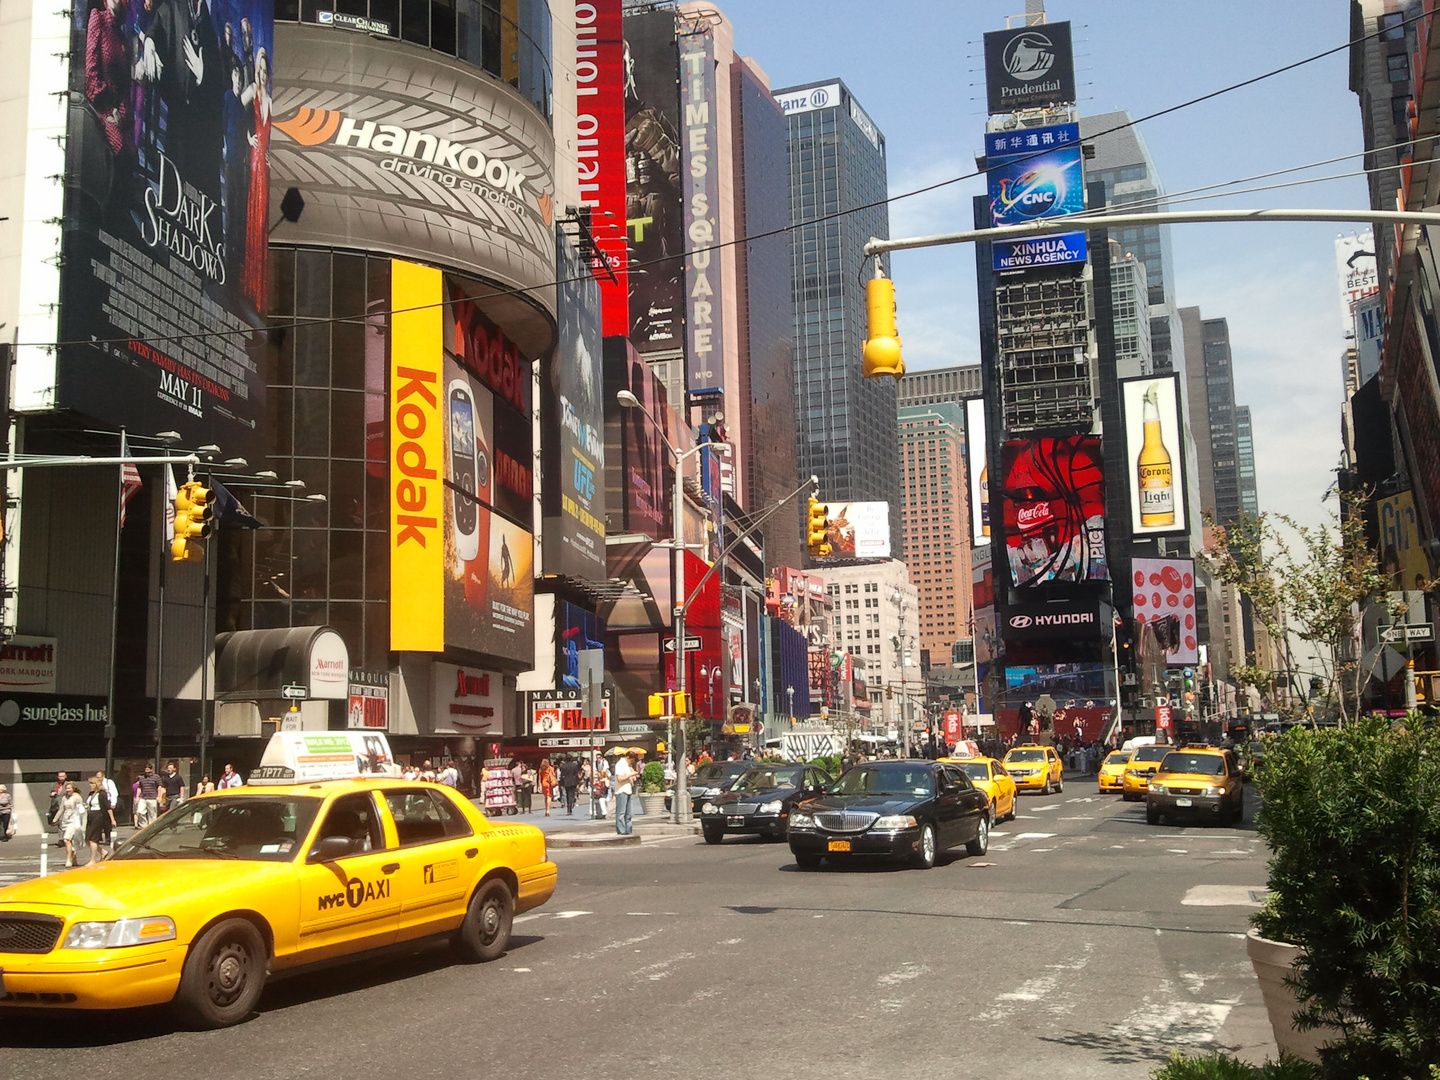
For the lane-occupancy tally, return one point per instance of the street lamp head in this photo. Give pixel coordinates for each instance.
(316, 498)
(211, 448)
(168, 436)
(627, 399)
(267, 474)
(237, 462)
(298, 485)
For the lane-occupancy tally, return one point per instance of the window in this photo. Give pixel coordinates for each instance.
(353, 817)
(1398, 67)
(1400, 111)
(424, 817)
(1392, 26)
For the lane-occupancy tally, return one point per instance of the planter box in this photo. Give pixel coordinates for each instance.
(652, 805)
(1272, 961)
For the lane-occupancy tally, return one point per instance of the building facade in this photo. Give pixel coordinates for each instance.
(873, 611)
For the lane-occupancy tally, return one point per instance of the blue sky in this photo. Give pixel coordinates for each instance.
(916, 67)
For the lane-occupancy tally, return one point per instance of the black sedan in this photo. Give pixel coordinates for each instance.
(760, 801)
(910, 810)
(712, 780)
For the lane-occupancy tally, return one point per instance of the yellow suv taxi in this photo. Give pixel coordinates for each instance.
(198, 907)
(1197, 782)
(1035, 768)
(1141, 766)
(1112, 771)
(989, 776)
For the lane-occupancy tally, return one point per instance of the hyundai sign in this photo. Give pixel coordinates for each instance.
(1039, 251)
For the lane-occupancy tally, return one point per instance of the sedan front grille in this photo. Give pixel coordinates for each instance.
(845, 820)
(745, 807)
(24, 932)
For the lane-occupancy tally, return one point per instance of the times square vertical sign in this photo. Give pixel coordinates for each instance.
(703, 346)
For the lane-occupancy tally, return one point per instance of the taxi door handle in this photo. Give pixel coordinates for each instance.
(470, 853)
(390, 868)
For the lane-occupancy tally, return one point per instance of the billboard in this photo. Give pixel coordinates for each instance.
(792, 102)
(704, 351)
(369, 704)
(653, 197)
(1073, 617)
(461, 562)
(1029, 67)
(1401, 555)
(466, 701)
(1044, 185)
(163, 264)
(579, 647)
(977, 471)
(1154, 455)
(1355, 267)
(1053, 494)
(600, 148)
(1164, 596)
(1039, 251)
(405, 150)
(638, 470)
(859, 530)
(573, 419)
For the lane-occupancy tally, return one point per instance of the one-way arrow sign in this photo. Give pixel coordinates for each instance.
(691, 643)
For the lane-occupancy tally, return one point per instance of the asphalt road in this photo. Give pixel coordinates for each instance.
(1084, 944)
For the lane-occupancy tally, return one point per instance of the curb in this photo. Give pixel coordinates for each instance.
(555, 840)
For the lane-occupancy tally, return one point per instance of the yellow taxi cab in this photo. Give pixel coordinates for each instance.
(326, 853)
(990, 776)
(1144, 760)
(1035, 768)
(1112, 771)
(1197, 782)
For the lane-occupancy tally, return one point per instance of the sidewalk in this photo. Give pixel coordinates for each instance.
(580, 823)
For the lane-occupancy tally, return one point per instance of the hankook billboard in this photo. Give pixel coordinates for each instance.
(1029, 67)
(406, 151)
(167, 217)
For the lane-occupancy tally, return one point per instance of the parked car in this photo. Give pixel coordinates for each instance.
(760, 801)
(908, 810)
(712, 780)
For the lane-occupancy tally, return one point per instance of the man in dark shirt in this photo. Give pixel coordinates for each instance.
(570, 781)
(174, 786)
(148, 806)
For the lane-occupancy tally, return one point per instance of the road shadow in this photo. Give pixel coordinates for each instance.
(874, 864)
(55, 1029)
(1154, 1049)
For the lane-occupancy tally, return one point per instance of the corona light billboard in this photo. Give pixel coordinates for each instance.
(1154, 455)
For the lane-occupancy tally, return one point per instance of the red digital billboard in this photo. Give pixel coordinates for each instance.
(1053, 492)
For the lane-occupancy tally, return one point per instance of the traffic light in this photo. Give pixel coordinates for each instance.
(817, 523)
(192, 521)
(882, 339)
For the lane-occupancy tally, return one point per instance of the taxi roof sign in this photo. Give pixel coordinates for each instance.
(299, 757)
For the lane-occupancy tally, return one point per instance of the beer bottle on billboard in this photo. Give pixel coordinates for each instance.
(1154, 474)
(985, 500)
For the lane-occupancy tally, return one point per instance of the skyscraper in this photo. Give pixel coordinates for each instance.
(1123, 163)
(844, 424)
(1210, 386)
(936, 524)
(1245, 461)
(952, 384)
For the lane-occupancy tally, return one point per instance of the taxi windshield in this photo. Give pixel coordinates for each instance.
(1025, 755)
(765, 779)
(1119, 757)
(1195, 764)
(250, 827)
(1150, 753)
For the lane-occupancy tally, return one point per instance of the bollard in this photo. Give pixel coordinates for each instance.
(44, 853)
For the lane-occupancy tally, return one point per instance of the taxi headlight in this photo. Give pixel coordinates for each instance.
(894, 823)
(801, 820)
(709, 808)
(1212, 791)
(1159, 789)
(771, 807)
(116, 935)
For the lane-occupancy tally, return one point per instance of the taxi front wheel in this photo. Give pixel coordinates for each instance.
(485, 933)
(223, 976)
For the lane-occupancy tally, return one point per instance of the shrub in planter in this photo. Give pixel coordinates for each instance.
(652, 779)
(1352, 817)
(1224, 1067)
(829, 762)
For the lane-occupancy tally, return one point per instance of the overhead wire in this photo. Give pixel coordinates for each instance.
(521, 290)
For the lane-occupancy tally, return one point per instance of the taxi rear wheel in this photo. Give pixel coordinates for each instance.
(223, 975)
(485, 933)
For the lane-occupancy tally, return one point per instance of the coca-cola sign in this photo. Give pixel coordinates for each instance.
(1053, 499)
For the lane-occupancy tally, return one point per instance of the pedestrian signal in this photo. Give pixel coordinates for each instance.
(882, 338)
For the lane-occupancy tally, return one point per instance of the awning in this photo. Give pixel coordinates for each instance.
(257, 664)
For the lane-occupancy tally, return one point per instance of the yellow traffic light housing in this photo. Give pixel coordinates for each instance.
(817, 526)
(192, 521)
(882, 338)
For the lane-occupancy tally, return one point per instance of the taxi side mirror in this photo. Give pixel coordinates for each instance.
(331, 848)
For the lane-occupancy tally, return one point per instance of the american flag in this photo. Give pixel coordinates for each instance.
(130, 486)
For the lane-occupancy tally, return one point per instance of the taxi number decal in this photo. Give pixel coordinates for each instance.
(356, 893)
(442, 871)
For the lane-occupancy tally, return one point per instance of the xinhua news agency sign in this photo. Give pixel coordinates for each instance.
(1037, 252)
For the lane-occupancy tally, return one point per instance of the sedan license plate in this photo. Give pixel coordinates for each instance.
(734, 819)
(1183, 802)
(839, 845)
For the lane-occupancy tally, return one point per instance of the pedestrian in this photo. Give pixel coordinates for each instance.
(56, 794)
(230, 779)
(547, 782)
(7, 810)
(205, 786)
(147, 797)
(570, 782)
(626, 773)
(99, 819)
(110, 789)
(70, 820)
(450, 775)
(173, 784)
(600, 787)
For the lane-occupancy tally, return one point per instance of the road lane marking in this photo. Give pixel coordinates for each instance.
(1222, 896)
(571, 914)
(905, 973)
(1035, 836)
(1184, 1022)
